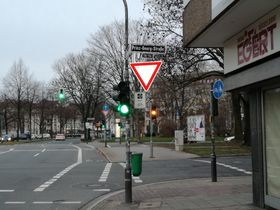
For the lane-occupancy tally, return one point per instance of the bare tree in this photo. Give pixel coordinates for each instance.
(15, 85)
(81, 78)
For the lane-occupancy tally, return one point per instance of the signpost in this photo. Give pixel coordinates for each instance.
(146, 72)
(105, 110)
(216, 93)
(218, 88)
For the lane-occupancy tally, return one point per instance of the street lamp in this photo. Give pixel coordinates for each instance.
(128, 178)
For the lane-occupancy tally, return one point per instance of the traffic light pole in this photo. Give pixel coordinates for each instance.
(128, 177)
(151, 138)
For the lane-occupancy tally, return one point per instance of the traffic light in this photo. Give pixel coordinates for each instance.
(153, 112)
(61, 95)
(123, 97)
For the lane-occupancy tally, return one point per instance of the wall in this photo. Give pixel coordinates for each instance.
(196, 16)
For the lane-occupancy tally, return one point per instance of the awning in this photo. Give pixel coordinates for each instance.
(237, 16)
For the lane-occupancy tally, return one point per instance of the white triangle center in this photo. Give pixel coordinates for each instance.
(146, 72)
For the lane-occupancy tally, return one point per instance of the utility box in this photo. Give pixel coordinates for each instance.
(179, 140)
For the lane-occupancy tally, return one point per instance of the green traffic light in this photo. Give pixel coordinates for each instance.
(124, 109)
(61, 96)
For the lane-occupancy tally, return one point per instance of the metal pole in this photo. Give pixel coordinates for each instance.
(126, 41)
(151, 138)
(213, 155)
(128, 178)
(105, 137)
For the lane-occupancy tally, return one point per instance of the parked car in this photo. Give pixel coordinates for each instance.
(46, 136)
(5, 138)
(229, 138)
(24, 136)
(60, 137)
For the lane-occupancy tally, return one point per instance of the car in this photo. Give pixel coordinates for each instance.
(24, 136)
(229, 138)
(60, 137)
(6, 137)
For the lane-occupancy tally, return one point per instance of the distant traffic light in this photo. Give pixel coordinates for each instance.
(153, 112)
(123, 97)
(61, 95)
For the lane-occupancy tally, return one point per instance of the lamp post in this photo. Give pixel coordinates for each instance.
(127, 178)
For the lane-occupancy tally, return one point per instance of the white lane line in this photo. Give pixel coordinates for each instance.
(136, 179)
(70, 202)
(105, 174)
(12, 149)
(63, 172)
(109, 146)
(4, 191)
(15, 202)
(102, 190)
(36, 155)
(226, 166)
(42, 202)
(61, 202)
(44, 150)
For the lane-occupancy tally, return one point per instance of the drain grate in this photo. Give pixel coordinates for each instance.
(149, 205)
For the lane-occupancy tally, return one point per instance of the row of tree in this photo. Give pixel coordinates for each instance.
(88, 77)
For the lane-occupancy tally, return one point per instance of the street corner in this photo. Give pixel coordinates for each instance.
(112, 154)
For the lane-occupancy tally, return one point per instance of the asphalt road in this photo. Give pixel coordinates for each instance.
(70, 174)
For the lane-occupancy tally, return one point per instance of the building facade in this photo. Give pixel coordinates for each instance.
(249, 32)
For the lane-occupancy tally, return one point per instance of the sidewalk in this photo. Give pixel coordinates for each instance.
(189, 194)
(116, 152)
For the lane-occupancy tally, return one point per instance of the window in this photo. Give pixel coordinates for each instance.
(272, 141)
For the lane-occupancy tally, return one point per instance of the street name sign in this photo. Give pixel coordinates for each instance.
(218, 88)
(146, 72)
(159, 49)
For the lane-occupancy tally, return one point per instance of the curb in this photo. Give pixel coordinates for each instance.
(104, 155)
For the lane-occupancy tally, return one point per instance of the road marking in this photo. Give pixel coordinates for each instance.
(44, 150)
(36, 155)
(226, 166)
(60, 202)
(70, 202)
(15, 202)
(42, 202)
(105, 174)
(12, 149)
(109, 146)
(63, 172)
(4, 191)
(102, 190)
(136, 179)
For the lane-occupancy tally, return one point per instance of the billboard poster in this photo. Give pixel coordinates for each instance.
(196, 128)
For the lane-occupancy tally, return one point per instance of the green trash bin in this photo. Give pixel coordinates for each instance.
(136, 163)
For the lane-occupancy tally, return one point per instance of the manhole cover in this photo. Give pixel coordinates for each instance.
(149, 205)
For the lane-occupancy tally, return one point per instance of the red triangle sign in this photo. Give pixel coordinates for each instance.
(146, 72)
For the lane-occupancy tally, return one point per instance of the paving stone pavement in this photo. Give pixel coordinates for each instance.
(229, 193)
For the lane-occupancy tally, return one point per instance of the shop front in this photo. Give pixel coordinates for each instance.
(249, 32)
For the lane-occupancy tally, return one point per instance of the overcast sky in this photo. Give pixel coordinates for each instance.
(42, 31)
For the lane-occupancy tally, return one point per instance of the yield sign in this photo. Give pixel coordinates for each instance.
(146, 72)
